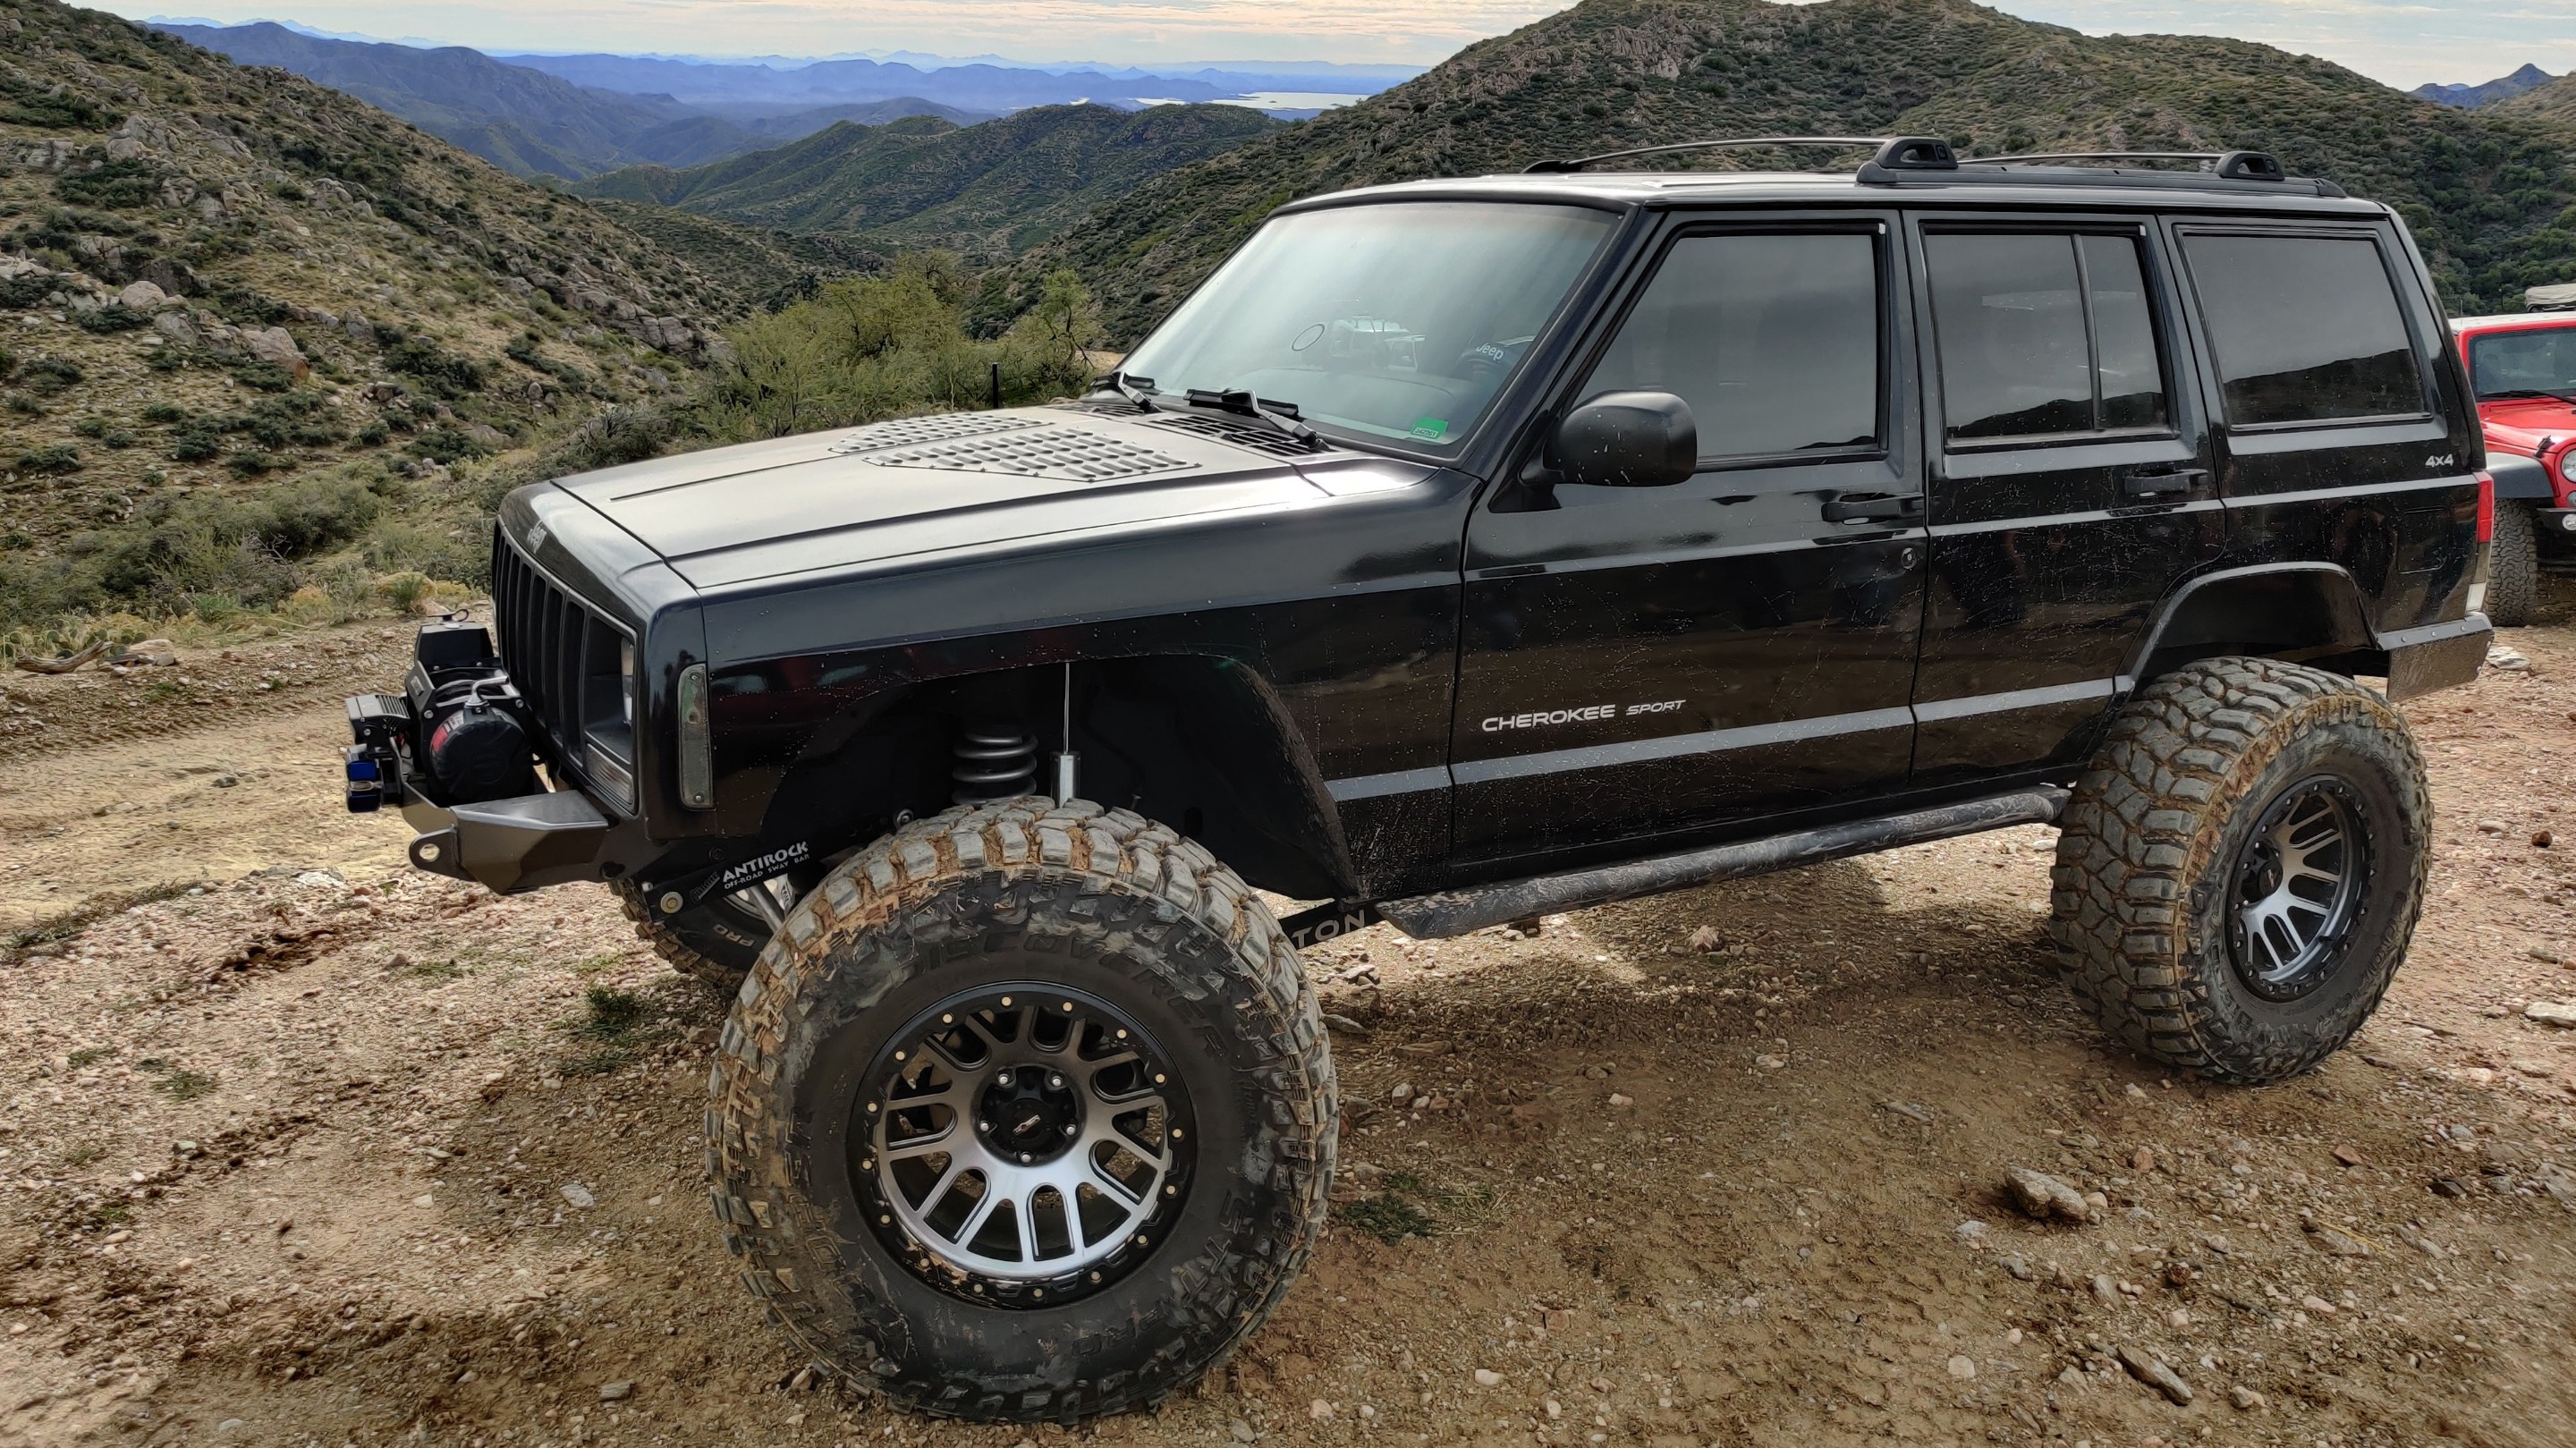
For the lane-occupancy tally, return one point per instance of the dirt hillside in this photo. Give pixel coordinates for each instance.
(311, 1151)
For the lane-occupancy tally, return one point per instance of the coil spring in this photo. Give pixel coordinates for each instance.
(994, 763)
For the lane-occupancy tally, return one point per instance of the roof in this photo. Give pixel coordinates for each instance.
(2513, 322)
(2107, 188)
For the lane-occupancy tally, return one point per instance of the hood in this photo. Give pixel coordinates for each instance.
(943, 483)
(2522, 424)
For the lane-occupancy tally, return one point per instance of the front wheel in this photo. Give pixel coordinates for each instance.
(2513, 565)
(1025, 1114)
(2240, 868)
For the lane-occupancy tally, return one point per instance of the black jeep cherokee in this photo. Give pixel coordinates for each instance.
(1462, 551)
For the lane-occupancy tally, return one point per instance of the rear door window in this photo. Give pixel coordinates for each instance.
(2305, 328)
(1773, 340)
(2043, 334)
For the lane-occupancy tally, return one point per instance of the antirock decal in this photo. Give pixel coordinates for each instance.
(761, 867)
(1586, 714)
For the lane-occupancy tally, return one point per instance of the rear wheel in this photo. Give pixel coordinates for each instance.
(1026, 1114)
(2240, 869)
(2513, 565)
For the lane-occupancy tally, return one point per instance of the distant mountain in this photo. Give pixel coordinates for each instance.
(993, 188)
(2553, 104)
(797, 125)
(2482, 190)
(523, 121)
(2470, 97)
(526, 121)
(739, 88)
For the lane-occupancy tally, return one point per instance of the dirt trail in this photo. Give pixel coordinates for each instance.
(349, 1158)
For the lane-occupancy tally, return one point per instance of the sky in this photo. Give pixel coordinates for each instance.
(2402, 42)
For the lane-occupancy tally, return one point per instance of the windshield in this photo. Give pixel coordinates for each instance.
(2536, 363)
(1395, 321)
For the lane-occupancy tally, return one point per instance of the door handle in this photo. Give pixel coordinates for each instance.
(2148, 485)
(1875, 508)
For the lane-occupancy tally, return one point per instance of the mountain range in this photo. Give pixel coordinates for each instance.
(2487, 191)
(527, 121)
(987, 190)
(577, 116)
(2470, 97)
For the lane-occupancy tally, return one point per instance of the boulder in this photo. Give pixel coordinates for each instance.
(276, 345)
(174, 324)
(142, 297)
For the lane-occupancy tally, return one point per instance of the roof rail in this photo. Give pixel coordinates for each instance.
(2232, 165)
(1578, 163)
(1900, 159)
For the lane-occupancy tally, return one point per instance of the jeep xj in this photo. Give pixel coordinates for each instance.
(1465, 550)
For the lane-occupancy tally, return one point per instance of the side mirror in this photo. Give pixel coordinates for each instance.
(1627, 440)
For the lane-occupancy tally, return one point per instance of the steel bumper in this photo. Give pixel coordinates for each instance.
(2436, 656)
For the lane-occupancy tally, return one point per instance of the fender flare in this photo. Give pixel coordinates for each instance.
(2337, 609)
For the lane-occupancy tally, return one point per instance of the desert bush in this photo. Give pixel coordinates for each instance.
(864, 349)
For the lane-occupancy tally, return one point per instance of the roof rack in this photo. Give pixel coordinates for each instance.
(1579, 163)
(1900, 159)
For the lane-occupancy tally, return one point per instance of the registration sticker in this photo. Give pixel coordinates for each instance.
(1431, 429)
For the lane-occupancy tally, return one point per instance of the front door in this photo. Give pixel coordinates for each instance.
(1643, 660)
(2073, 484)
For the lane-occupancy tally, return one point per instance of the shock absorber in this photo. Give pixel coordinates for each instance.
(994, 762)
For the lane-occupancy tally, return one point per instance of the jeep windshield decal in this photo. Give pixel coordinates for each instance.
(1397, 322)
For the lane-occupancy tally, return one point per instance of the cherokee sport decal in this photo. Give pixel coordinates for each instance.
(761, 867)
(1584, 715)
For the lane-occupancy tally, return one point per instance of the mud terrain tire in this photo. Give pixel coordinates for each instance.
(2163, 841)
(698, 943)
(2513, 566)
(1103, 903)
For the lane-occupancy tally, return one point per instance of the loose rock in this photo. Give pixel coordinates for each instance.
(2150, 1370)
(2041, 1196)
(2245, 1398)
(2551, 1013)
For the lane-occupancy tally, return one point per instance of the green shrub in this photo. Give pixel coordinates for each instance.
(447, 373)
(253, 463)
(91, 426)
(404, 590)
(54, 458)
(447, 445)
(164, 413)
(114, 317)
(48, 375)
(117, 437)
(263, 376)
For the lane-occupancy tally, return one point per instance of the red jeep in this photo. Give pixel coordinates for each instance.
(2523, 369)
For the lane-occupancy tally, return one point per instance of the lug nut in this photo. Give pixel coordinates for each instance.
(1024, 1158)
(1055, 1081)
(1068, 1131)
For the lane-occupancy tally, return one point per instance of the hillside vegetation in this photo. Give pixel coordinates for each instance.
(2553, 104)
(991, 189)
(257, 334)
(2488, 191)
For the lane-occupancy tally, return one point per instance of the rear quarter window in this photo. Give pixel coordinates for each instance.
(2304, 328)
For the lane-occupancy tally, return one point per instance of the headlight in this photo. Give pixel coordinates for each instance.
(2567, 467)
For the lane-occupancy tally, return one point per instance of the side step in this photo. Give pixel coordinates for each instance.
(1461, 912)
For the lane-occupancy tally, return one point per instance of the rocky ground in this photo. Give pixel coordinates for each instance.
(302, 1149)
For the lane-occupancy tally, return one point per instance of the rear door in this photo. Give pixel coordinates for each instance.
(1644, 660)
(2345, 437)
(2073, 480)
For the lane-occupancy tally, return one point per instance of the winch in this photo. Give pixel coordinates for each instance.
(458, 734)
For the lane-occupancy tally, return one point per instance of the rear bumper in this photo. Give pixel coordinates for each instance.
(2436, 656)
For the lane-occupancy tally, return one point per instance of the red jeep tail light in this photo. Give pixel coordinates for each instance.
(2486, 506)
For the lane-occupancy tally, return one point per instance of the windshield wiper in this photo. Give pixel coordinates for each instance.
(1131, 388)
(1281, 415)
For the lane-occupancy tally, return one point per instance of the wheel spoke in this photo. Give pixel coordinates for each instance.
(912, 1146)
(1116, 1190)
(983, 1212)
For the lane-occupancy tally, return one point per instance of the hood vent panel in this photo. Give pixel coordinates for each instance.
(936, 427)
(1064, 454)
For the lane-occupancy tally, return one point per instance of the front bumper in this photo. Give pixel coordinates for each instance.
(505, 845)
(2436, 656)
(2561, 521)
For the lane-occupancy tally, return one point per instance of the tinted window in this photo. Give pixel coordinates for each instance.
(2043, 335)
(1772, 340)
(2306, 328)
(2536, 363)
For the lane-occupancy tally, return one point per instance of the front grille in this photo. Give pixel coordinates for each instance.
(570, 665)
